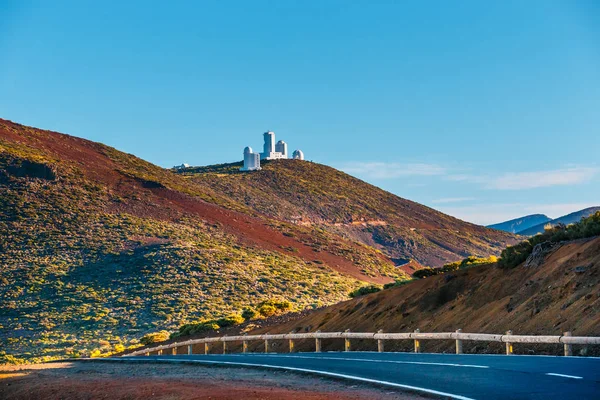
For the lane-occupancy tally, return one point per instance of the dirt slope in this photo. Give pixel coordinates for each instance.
(563, 294)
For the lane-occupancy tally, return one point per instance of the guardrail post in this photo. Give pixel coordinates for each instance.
(159, 353)
(245, 345)
(346, 341)
(266, 345)
(380, 342)
(568, 347)
(174, 351)
(317, 343)
(291, 342)
(206, 348)
(509, 347)
(459, 343)
(417, 343)
(147, 354)
(190, 349)
(224, 346)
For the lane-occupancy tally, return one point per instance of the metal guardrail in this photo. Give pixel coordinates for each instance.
(566, 339)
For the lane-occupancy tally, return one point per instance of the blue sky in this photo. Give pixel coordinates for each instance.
(485, 110)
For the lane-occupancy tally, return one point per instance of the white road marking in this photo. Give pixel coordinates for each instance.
(565, 376)
(380, 361)
(325, 373)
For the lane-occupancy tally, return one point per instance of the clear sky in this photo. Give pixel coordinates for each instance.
(486, 110)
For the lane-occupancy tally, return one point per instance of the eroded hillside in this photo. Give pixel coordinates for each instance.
(311, 194)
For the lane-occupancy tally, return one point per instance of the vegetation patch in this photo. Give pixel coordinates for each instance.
(468, 262)
(515, 255)
(364, 290)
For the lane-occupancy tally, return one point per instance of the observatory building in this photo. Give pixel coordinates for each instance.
(298, 155)
(251, 160)
(271, 151)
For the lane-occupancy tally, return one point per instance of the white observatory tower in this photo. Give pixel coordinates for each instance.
(251, 160)
(281, 147)
(269, 146)
(270, 152)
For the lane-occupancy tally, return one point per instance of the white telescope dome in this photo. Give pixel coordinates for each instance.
(298, 155)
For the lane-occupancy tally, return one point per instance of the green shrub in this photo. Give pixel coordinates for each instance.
(454, 266)
(425, 272)
(230, 320)
(267, 310)
(119, 348)
(271, 307)
(200, 327)
(281, 305)
(389, 285)
(155, 337)
(396, 283)
(95, 353)
(361, 291)
(249, 313)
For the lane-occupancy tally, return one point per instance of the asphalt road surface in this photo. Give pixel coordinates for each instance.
(482, 377)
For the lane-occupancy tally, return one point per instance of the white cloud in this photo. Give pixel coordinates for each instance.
(521, 180)
(385, 170)
(452, 200)
(539, 179)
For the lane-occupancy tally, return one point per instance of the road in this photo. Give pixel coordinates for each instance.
(447, 375)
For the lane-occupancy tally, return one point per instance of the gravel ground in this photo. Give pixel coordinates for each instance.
(90, 380)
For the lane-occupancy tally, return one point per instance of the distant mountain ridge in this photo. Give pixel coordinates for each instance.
(519, 224)
(565, 219)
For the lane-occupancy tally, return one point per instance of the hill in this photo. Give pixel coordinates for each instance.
(98, 248)
(519, 224)
(565, 219)
(315, 195)
(544, 285)
(556, 296)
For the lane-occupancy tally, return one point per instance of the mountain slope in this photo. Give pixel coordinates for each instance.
(519, 224)
(557, 296)
(565, 219)
(316, 195)
(98, 247)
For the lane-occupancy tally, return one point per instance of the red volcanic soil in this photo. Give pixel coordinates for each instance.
(154, 200)
(85, 380)
(255, 231)
(410, 267)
